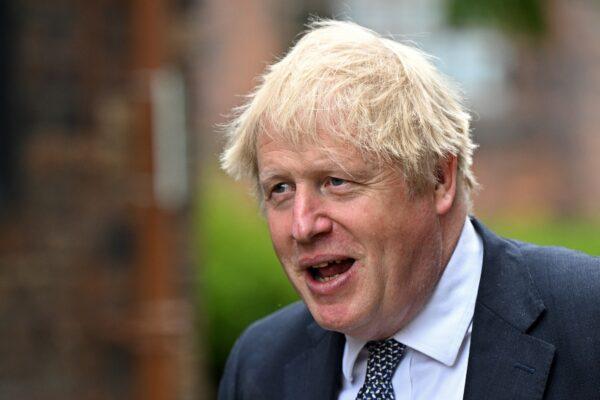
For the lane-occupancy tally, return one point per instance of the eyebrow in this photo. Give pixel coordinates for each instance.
(323, 165)
(358, 174)
(269, 175)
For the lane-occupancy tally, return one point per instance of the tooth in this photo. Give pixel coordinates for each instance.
(327, 278)
(323, 264)
(338, 261)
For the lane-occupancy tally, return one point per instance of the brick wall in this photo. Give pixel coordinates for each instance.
(71, 322)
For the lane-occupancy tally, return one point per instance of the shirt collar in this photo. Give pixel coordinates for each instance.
(450, 308)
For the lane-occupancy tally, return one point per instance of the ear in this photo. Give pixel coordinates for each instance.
(445, 186)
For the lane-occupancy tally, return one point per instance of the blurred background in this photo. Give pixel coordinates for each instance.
(129, 263)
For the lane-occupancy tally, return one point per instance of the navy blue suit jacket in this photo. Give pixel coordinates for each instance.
(536, 335)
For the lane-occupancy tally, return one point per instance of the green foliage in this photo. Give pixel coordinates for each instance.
(240, 278)
(578, 234)
(513, 16)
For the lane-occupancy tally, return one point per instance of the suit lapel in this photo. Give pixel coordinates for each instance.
(316, 373)
(505, 362)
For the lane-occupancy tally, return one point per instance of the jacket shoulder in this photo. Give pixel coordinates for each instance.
(563, 274)
(554, 271)
(257, 361)
(283, 325)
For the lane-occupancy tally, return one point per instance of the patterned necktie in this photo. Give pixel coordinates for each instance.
(384, 357)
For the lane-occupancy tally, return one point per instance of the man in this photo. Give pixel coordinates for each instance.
(361, 155)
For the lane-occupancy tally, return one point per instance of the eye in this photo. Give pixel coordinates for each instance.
(336, 181)
(280, 188)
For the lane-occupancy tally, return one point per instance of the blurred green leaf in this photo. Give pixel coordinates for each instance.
(512, 16)
(240, 277)
(577, 233)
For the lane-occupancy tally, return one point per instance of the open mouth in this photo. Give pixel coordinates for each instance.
(327, 271)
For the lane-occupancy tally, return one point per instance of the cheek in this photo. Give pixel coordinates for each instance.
(400, 238)
(280, 231)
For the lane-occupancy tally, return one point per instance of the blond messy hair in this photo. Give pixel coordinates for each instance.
(383, 97)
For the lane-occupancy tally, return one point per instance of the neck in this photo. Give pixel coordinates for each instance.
(452, 225)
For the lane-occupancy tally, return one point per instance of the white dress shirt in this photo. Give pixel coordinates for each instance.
(437, 340)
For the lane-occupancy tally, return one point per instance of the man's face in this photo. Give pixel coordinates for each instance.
(363, 254)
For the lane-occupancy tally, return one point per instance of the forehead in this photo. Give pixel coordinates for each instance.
(326, 151)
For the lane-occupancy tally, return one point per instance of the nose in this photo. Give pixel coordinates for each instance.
(310, 219)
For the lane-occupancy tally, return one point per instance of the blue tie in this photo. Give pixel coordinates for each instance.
(384, 357)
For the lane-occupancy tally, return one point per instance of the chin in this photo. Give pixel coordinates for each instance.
(336, 318)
